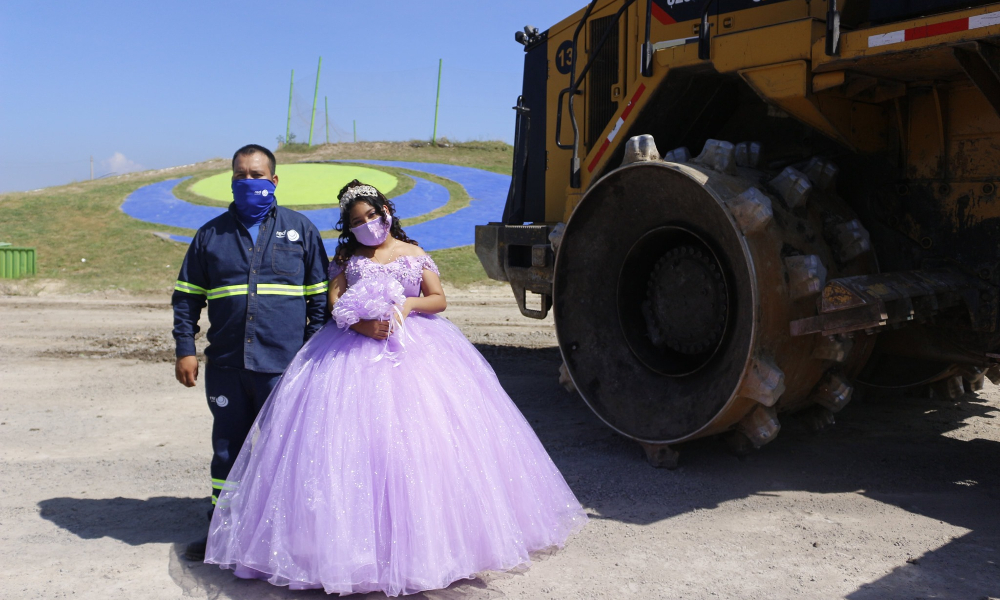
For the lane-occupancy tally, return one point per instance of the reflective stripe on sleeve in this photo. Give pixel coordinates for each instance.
(189, 288)
(317, 288)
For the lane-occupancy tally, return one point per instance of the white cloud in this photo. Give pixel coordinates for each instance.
(119, 163)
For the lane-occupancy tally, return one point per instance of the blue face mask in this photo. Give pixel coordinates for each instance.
(253, 198)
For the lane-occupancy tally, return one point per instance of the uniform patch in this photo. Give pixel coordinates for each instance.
(279, 234)
(293, 236)
(220, 401)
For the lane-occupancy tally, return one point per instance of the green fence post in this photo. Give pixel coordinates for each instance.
(288, 127)
(312, 121)
(437, 101)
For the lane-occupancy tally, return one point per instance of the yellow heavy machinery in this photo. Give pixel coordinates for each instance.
(743, 208)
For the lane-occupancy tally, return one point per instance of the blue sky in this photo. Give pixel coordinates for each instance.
(158, 84)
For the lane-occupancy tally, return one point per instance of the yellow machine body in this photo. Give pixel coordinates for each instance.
(889, 112)
(873, 100)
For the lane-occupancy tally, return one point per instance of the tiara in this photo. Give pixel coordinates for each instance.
(358, 190)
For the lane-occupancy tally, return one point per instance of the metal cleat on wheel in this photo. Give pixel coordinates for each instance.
(765, 383)
(752, 210)
(556, 236)
(761, 426)
(748, 154)
(678, 155)
(852, 240)
(806, 276)
(833, 393)
(660, 456)
(818, 418)
(822, 173)
(974, 379)
(718, 155)
(949, 389)
(640, 148)
(793, 186)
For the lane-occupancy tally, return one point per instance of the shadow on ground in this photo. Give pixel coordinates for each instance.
(166, 519)
(892, 450)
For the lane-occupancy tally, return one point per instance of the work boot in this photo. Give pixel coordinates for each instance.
(195, 551)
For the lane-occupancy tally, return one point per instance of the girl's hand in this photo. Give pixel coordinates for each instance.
(406, 309)
(377, 330)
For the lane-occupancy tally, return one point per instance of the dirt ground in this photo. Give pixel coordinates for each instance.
(104, 478)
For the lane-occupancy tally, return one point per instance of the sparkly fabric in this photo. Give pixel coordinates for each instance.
(368, 475)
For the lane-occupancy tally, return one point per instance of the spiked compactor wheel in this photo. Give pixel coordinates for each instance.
(675, 285)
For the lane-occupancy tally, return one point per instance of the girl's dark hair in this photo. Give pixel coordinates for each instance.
(347, 245)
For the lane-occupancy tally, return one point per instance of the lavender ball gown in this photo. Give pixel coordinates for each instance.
(396, 467)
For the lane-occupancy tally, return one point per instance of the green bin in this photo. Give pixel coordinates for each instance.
(16, 262)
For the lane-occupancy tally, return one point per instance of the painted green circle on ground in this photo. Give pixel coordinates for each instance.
(302, 184)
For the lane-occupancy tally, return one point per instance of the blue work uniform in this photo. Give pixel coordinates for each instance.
(265, 299)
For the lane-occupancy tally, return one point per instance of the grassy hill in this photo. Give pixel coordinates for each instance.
(86, 243)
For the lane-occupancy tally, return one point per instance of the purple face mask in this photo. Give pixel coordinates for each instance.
(374, 232)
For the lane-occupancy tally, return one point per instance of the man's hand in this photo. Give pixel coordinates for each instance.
(377, 330)
(186, 370)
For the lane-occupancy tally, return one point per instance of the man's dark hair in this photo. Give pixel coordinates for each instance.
(251, 149)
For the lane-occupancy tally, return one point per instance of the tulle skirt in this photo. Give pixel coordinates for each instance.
(393, 468)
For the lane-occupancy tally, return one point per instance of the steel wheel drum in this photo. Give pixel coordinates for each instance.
(657, 362)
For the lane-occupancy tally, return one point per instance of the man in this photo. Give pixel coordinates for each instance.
(262, 270)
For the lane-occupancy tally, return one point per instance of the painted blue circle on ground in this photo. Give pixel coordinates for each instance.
(156, 203)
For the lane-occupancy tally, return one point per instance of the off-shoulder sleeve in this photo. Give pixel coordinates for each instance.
(335, 270)
(426, 262)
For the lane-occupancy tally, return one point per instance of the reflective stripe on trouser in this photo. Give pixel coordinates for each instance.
(218, 485)
(235, 396)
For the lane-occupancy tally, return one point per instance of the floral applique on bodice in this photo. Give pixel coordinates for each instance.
(407, 270)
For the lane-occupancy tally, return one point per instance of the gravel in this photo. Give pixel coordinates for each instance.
(104, 467)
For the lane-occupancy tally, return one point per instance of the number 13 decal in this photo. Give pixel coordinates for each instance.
(565, 57)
